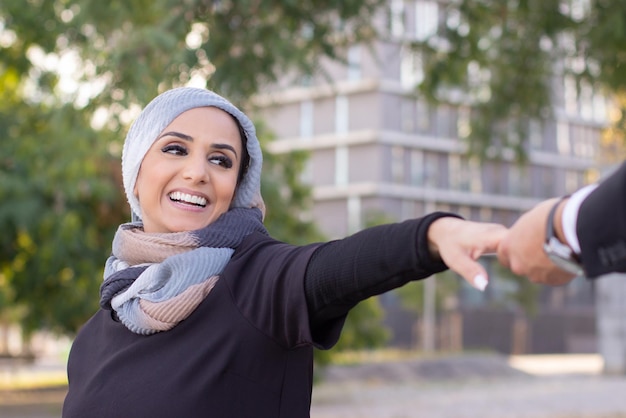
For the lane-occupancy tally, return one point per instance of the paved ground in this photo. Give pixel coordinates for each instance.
(32, 403)
(470, 386)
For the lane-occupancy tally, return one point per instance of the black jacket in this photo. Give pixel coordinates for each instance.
(601, 226)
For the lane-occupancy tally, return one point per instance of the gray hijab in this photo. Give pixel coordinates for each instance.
(159, 113)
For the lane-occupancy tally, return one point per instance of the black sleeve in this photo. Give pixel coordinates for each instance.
(344, 272)
(601, 227)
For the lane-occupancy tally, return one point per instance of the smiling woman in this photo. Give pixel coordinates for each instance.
(188, 176)
(202, 312)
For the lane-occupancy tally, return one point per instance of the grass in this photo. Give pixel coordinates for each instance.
(347, 358)
(22, 380)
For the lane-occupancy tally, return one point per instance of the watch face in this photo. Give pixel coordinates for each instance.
(567, 265)
(563, 257)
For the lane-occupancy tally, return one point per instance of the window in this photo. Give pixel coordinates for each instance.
(600, 112)
(454, 164)
(407, 209)
(396, 18)
(397, 164)
(354, 63)
(422, 117)
(431, 169)
(571, 181)
(463, 123)
(586, 101)
(518, 181)
(570, 93)
(306, 175)
(562, 138)
(547, 182)
(465, 211)
(306, 119)
(341, 165)
(354, 214)
(535, 137)
(475, 175)
(341, 114)
(583, 140)
(411, 70)
(426, 19)
(417, 167)
(446, 121)
(486, 214)
(407, 115)
(464, 173)
(305, 80)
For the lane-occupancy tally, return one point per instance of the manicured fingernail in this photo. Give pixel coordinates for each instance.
(480, 282)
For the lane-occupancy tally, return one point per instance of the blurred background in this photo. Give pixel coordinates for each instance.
(369, 111)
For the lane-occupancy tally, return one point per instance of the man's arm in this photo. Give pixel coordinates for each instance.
(599, 226)
(522, 249)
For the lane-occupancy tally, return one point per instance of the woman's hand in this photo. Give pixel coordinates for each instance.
(459, 243)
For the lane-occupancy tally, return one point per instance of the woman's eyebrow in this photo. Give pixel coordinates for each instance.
(177, 135)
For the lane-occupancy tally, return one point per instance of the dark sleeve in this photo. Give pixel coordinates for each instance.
(601, 227)
(266, 282)
(344, 272)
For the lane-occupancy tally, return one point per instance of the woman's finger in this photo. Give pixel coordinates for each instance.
(461, 250)
(472, 271)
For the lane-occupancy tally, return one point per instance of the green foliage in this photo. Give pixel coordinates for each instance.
(524, 294)
(286, 197)
(412, 295)
(363, 330)
(366, 330)
(600, 38)
(59, 176)
(60, 205)
(144, 47)
(502, 57)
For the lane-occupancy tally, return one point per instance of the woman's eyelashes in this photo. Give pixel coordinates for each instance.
(221, 160)
(216, 159)
(175, 149)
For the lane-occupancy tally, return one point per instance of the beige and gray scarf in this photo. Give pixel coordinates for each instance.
(155, 280)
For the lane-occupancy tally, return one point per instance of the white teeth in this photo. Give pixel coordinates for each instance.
(188, 198)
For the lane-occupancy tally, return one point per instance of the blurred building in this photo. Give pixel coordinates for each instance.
(379, 152)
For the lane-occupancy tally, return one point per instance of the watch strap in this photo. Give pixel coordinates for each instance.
(561, 254)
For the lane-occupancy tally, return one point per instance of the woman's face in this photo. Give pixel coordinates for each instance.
(188, 177)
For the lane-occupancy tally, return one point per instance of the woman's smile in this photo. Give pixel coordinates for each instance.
(186, 199)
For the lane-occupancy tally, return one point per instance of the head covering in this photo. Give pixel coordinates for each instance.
(159, 113)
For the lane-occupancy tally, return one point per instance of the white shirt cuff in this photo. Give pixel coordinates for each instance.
(570, 216)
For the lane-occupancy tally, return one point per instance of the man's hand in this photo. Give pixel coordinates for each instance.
(521, 250)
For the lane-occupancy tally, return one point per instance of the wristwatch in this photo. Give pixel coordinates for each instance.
(560, 254)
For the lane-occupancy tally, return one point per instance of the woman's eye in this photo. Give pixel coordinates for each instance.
(175, 149)
(221, 160)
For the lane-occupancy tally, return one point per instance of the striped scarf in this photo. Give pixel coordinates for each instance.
(154, 281)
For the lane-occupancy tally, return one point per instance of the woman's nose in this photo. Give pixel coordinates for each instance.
(196, 170)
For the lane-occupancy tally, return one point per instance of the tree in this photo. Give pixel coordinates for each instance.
(59, 178)
(60, 207)
(59, 197)
(145, 46)
(501, 58)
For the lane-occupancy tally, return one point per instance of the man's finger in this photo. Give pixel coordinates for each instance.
(503, 254)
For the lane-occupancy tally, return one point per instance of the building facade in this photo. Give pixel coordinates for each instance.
(380, 152)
